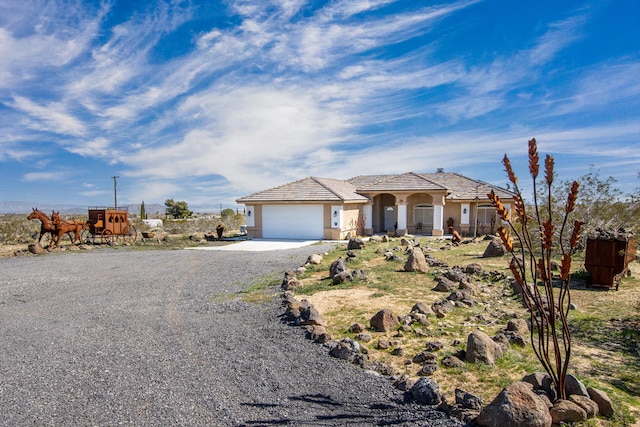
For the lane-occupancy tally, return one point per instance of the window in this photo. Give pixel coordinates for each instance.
(486, 214)
(423, 214)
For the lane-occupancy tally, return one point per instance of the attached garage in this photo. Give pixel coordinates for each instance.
(293, 222)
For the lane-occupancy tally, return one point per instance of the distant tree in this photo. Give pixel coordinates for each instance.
(143, 214)
(178, 209)
(602, 204)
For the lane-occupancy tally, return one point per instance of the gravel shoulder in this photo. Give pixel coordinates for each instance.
(112, 337)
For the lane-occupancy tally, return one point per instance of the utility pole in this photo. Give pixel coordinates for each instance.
(115, 192)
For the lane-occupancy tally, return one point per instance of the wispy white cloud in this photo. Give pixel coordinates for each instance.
(282, 90)
(44, 176)
(53, 117)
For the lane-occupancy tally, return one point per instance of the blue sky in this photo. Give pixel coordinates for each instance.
(207, 101)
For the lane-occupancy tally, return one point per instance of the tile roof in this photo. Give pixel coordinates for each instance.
(465, 188)
(310, 189)
(405, 182)
(314, 189)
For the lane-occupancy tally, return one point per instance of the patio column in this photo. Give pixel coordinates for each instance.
(402, 219)
(438, 217)
(367, 213)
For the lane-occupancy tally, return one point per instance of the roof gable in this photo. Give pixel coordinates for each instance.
(405, 182)
(310, 189)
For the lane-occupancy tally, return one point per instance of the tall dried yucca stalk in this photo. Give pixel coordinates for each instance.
(548, 307)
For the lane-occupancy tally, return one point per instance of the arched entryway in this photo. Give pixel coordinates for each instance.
(384, 213)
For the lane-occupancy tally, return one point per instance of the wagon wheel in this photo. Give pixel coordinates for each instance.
(131, 235)
(86, 236)
(108, 237)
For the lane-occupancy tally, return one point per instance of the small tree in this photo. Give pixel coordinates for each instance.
(143, 214)
(230, 219)
(531, 264)
(178, 209)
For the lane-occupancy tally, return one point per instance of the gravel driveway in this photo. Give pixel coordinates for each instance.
(111, 337)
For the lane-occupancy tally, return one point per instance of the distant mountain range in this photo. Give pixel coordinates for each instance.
(25, 208)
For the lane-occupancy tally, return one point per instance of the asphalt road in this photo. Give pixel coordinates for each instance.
(158, 338)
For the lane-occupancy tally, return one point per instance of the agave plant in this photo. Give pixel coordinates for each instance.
(536, 238)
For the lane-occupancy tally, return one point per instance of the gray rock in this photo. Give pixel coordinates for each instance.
(572, 385)
(314, 259)
(494, 249)
(342, 350)
(384, 321)
(311, 316)
(35, 248)
(445, 285)
(416, 261)
(341, 277)
(520, 326)
(428, 369)
(516, 406)
(481, 348)
(336, 267)
(468, 400)
(602, 399)
(440, 308)
(424, 357)
(364, 337)
(452, 362)
(289, 282)
(426, 391)
(421, 307)
(433, 346)
(589, 406)
(355, 243)
(473, 268)
(565, 411)
(356, 328)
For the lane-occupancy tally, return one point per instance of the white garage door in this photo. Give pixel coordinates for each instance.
(292, 222)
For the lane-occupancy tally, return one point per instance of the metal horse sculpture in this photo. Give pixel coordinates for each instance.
(64, 226)
(47, 224)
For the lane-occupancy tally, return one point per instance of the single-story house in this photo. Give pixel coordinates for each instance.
(408, 203)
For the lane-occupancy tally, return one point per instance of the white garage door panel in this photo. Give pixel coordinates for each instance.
(292, 222)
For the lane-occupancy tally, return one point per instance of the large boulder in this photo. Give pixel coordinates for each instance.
(481, 348)
(311, 316)
(355, 243)
(519, 326)
(602, 399)
(445, 285)
(384, 321)
(416, 261)
(565, 412)
(468, 400)
(494, 249)
(343, 276)
(572, 385)
(516, 406)
(314, 259)
(421, 307)
(337, 266)
(289, 282)
(426, 391)
(589, 406)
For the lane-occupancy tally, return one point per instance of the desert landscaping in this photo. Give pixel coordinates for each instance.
(426, 342)
(461, 293)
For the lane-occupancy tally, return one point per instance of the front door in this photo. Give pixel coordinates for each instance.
(389, 218)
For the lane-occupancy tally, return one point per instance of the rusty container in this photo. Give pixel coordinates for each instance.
(608, 260)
